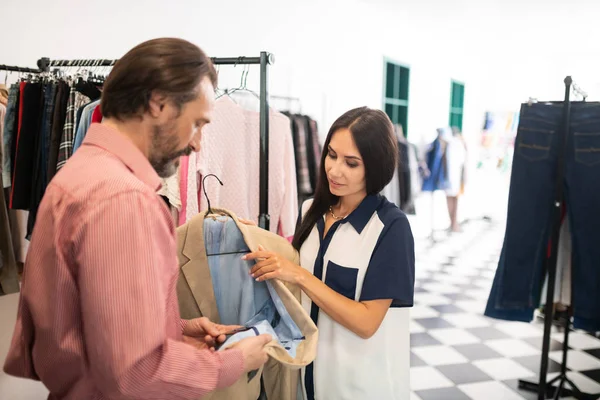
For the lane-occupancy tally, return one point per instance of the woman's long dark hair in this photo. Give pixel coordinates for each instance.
(376, 141)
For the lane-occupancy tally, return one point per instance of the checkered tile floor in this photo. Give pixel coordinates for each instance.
(456, 352)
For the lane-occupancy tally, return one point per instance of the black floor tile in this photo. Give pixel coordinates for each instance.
(532, 363)
(514, 385)
(451, 393)
(594, 352)
(458, 296)
(537, 343)
(464, 373)
(423, 339)
(434, 323)
(594, 374)
(448, 309)
(477, 351)
(415, 361)
(488, 333)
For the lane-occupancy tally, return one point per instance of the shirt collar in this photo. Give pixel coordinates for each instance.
(363, 213)
(118, 145)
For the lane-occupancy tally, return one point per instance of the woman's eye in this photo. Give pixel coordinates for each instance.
(332, 155)
(351, 165)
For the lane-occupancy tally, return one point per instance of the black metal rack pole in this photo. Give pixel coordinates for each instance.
(11, 68)
(544, 388)
(263, 216)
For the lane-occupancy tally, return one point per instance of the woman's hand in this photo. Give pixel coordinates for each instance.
(247, 222)
(271, 265)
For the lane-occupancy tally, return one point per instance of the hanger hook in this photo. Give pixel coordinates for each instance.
(204, 189)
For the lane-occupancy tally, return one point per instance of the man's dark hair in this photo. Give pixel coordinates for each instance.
(171, 67)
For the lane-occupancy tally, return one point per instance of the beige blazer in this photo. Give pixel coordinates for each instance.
(197, 299)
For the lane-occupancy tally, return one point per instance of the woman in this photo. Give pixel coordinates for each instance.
(357, 266)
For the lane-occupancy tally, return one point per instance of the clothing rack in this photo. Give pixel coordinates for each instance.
(264, 60)
(542, 387)
(11, 68)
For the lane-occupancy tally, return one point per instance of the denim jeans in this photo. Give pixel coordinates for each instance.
(240, 299)
(520, 276)
(9, 134)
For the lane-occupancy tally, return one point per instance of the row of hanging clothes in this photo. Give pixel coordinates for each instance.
(227, 151)
(45, 118)
(408, 177)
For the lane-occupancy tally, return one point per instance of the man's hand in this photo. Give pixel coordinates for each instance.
(253, 349)
(202, 333)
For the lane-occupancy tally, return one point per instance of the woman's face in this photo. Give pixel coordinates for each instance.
(343, 165)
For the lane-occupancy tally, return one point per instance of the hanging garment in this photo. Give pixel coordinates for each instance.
(416, 181)
(314, 130)
(220, 288)
(10, 130)
(392, 190)
(230, 149)
(27, 139)
(310, 151)
(84, 124)
(516, 291)
(9, 279)
(436, 163)
(76, 100)
(305, 188)
(562, 286)
(58, 123)
(2, 118)
(39, 173)
(405, 179)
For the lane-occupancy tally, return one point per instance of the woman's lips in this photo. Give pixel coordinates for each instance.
(335, 184)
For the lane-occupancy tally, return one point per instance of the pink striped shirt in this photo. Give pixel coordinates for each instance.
(98, 316)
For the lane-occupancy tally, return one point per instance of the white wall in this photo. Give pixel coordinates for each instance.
(330, 52)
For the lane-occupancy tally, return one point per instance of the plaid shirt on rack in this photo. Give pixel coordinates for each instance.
(76, 100)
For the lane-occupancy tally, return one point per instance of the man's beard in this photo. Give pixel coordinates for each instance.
(164, 155)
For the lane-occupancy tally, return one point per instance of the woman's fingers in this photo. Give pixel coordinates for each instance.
(264, 263)
(270, 269)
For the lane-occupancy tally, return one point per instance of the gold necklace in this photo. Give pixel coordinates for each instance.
(335, 216)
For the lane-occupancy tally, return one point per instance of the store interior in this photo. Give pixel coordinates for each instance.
(432, 66)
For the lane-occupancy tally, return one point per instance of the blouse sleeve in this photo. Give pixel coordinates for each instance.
(391, 271)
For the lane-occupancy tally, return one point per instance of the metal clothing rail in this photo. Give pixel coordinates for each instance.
(11, 68)
(544, 388)
(264, 60)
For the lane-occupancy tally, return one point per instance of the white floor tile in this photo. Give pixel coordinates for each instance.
(584, 383)
(428, 299)
(475, 307)
(453, 336)
(512, 347)
(462, 271)
(480, 294)
(488, 274)
(415, 327)
(502, 369)
(413, 396)
(441, 288)
(578, 340)
(424, 378)
(577, 360)
(520, 329)
(422, 311)
(439, 355)
(457, 279)
(467, 320)
(489, 391)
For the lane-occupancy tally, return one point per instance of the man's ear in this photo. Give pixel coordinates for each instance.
(157, 104)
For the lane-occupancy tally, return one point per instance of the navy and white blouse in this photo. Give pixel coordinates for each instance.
(369, 255)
